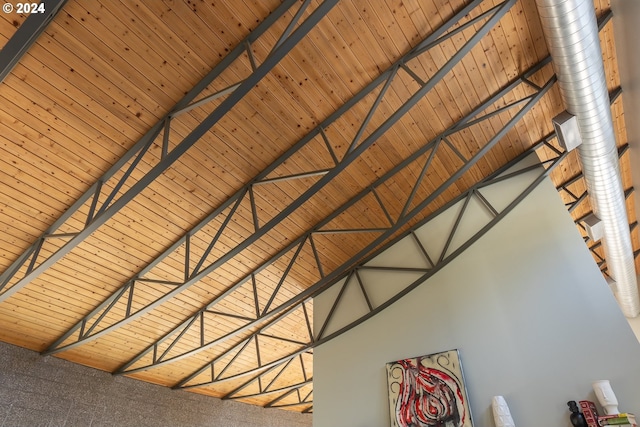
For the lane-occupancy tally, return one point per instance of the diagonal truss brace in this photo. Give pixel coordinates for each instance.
(301, 400)
(301, 391)
(99, 215)
(444, 258)
(434, 144)
(92, 330)
(401, 221)
(475, 191)
(551, 164)
(26, 35)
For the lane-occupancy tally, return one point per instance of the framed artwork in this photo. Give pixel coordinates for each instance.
(428, 391)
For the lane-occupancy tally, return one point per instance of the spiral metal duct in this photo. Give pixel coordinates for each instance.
(571, 31)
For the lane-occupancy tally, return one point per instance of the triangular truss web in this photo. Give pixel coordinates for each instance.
(220, 235)
(314, 159)
(381, 285)
(475, 215)
(184, 338)
(369, 213)
(236, 309)
(300, 397)
(267, 348)
(219, 366)
(277, 381)
(335, 248)
(274, 343)
(498, 193)
(44, 248)
(274, 197)
(349, 305)
(371, 285)
(231, 310)
(272, 278)
(294, 327)
(287, 276)
(240, 303)
(434, 234)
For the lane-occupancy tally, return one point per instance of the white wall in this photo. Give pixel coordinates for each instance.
(528, 310)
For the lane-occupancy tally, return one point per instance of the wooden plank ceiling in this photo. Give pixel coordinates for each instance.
(105, 72)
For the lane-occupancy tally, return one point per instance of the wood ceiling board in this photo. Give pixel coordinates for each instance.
(175, 373)
(9, 24)
(277, 330)
(219, 390)
(97, 103)
(62, 53)
(88, 153)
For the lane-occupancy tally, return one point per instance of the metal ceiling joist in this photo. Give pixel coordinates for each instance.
(27, 34)
(266, 393)
(477, 116)
(271, 388)
(89, 328)
(100, 213)
(445, 257)
(175, 334)
(300, 400)
(243, 347)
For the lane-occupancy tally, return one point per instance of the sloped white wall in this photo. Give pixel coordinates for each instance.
(528, 310)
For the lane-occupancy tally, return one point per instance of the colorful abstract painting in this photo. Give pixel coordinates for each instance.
(428, 391)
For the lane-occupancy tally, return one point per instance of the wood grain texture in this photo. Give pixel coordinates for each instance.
(104, 72)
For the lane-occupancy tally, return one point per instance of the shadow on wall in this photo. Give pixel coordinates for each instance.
(635, 326)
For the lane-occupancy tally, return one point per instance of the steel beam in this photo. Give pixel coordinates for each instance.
(301, 400)
(555, 163)
(394, 226)
(323, 283)
(444, 260)
(266, 393)
(111, 206)
(26, 35)
(492, 16)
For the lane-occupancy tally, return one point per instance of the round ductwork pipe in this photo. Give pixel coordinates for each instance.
(571, 31)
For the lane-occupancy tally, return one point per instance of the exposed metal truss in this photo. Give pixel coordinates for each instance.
(357, 280)
(103, 205)
(161, 352)
(287, 395)
(269, 388)
(94, 324)
(26, 35)
(465, 209)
